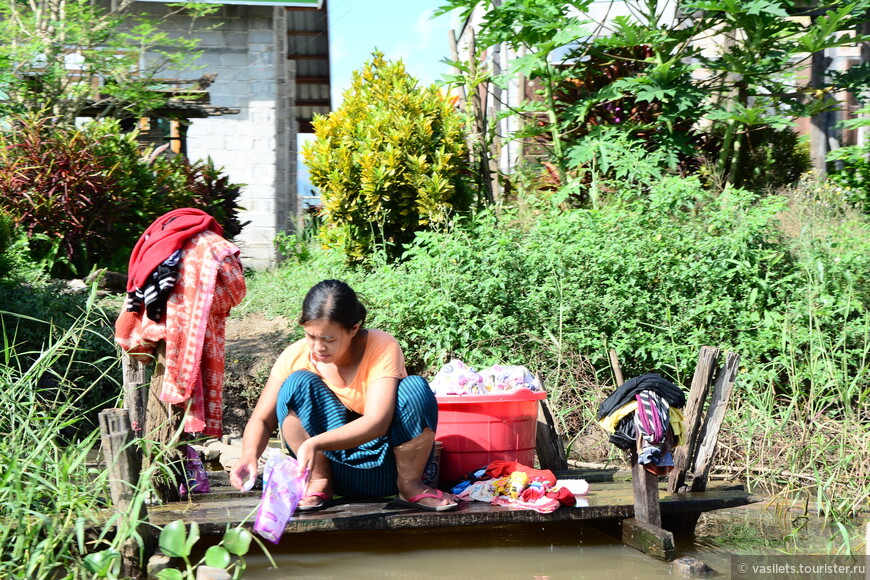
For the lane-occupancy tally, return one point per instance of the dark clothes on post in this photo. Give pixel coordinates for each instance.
(648, 382)
(157, 289)
(646, 428)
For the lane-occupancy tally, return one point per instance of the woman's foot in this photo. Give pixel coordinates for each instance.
(425, 497)
(317, 492)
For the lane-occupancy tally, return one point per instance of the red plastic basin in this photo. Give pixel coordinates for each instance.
(478, 429)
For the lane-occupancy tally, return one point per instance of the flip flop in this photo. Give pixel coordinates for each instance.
(324, 498)
(414, 502)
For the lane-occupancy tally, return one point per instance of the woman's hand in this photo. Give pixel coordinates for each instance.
(245, 469)
(305, 456)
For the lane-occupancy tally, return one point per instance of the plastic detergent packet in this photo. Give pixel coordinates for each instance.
(282, 490)
(197, 480)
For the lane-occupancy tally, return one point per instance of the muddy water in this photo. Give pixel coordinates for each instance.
(559, 550)
(551, 551)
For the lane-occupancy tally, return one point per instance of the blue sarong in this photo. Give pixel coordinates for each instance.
(370, 469)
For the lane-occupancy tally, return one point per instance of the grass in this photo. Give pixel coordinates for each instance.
(56, 515)
(49, 496)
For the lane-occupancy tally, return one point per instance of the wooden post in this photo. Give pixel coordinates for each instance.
(135, 392)
(125, 466)
(819, 126)
(713, 421)
(617, 370)
(645, 488)
(684, 454)
(644, 531)
(162, 428)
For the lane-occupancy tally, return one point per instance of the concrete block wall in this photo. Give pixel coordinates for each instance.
(246, 47)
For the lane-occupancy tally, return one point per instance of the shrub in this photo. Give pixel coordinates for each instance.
(16, 264)
(655, 273)
(389, 162)
(180, 183)
(772, 159)
(60, 190)
(34, 313)
(84, 196)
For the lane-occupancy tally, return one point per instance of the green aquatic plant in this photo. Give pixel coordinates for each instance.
(178, 541)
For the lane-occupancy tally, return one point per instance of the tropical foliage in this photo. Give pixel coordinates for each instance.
(83, 196)
(391, 160)
(695, 84)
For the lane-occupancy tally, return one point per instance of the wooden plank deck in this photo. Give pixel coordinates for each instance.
(606, 500)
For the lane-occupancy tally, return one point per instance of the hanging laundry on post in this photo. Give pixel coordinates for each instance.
(155, 259)
(209, 283)
(649, 405)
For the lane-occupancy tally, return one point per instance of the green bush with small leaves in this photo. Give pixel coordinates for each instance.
(655, 273)
(390, 161)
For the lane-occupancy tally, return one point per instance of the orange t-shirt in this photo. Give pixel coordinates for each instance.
(382, 359)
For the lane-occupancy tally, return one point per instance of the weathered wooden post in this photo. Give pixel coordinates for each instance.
(703, 460)
(135, 392)
(644, 531)
(683, 454)
(157, 422)
(125, 466)
(617, 370)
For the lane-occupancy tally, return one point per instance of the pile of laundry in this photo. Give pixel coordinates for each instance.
(648, 405)
(457, 378)
(508, 483)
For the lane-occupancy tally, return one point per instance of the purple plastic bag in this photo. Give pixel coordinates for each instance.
(282, 490)
(194, 471)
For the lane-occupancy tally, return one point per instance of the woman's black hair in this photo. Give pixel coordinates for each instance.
(335, 301)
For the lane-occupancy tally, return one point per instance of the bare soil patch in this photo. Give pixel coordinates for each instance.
(253, 342)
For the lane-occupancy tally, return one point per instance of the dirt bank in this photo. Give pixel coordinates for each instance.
(253, 342)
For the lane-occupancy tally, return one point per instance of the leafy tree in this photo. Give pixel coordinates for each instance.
(535, 28)
(57, 56)
(390, 161)
(650, 69)
(752, 71)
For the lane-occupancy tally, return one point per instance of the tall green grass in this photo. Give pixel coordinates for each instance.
(49, 497)
(805, 412)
